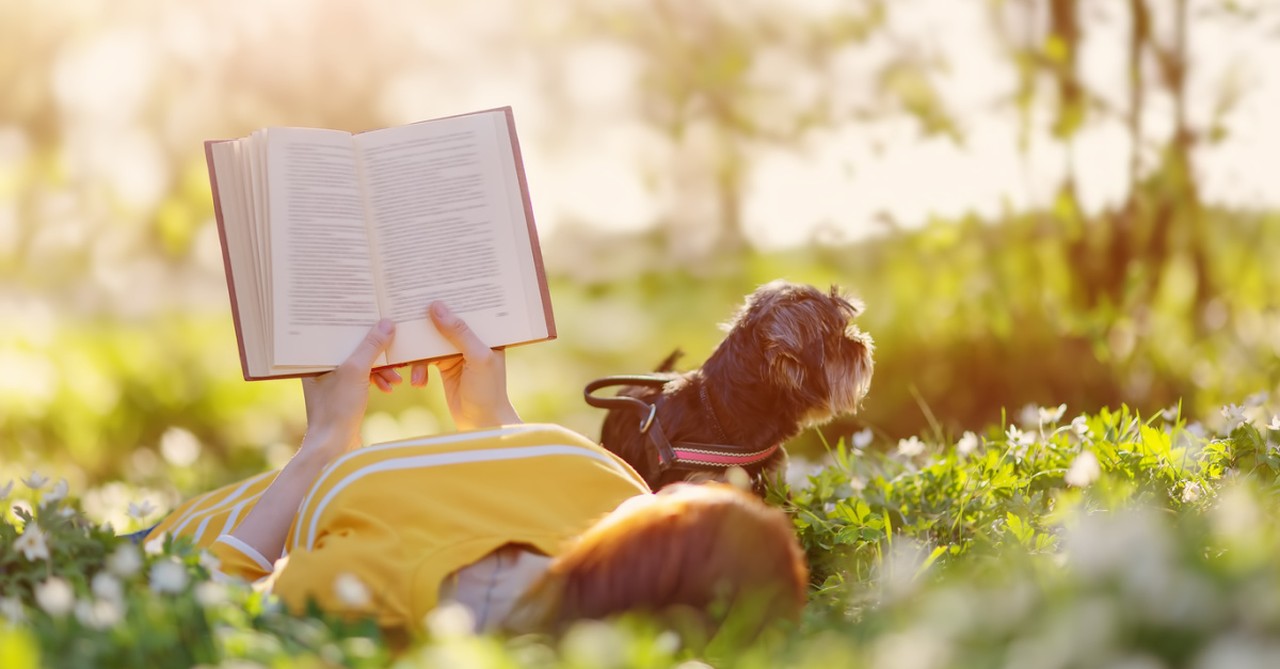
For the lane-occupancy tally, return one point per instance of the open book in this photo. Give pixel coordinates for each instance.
(325, 232)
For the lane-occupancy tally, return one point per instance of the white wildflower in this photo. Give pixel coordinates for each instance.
(6, 489)
(1191, 491)
(1235, 415)
(55, 597)
(1080, 426)
(1017, 437)
(912, 649)
(1171, 414)
(141, 511)
(738, 478)
(450, 620)
(125, 561)
(100, 614)
(1051, 416)
(1197, 430)
(910, 447)
(66, 512)
(968, 443)
(667, 642)
(32, 544)
(57, 493)
(857, 484)
(862, 438)
(1084, 470)
(106, 586)
(210, 594)
(36, 481)
(1257, 399)
(156, 545)
(1018, 442)
(1029, 415)
(798, 471)
(210, 561)
(168, 576)
(1273, 425)
(351, 591)
(11, 609)
(179, 447)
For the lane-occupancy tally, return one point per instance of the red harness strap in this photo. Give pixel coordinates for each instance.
(669, 454)
(718, 458)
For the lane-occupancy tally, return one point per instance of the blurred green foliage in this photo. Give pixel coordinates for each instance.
(117, 340)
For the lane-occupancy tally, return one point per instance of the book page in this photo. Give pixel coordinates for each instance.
(240, 261)
(444, 229)
(323, 298)
(253, 156)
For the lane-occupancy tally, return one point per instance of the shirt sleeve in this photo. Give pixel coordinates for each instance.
(352, 573)
(236, 559)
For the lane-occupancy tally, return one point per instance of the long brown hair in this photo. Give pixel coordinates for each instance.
(690, 551)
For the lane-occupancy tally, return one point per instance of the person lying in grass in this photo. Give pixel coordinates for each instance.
(528, 526)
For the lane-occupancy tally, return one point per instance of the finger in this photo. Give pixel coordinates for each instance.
(418, 377)
(372, 346)
(380, 382)
(389, 375)
(458, 332)
(449, 367)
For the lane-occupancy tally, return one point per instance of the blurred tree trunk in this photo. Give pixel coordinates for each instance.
(1122, 257)
(1174, 61)
(700, 90)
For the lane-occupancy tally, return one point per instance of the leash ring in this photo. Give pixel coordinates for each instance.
(647, 421)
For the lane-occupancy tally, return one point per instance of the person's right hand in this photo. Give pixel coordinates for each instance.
(475, 384)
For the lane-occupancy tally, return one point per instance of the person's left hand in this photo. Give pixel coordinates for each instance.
(336, 401)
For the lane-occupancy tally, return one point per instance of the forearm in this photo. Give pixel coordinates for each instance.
(266, 525)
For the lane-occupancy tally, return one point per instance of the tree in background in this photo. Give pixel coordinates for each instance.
(1121, 257)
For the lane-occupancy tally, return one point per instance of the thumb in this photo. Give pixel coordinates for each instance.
(457, 332)
(372, 346)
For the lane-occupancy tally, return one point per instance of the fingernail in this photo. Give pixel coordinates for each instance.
(439, 310)
(386, 326)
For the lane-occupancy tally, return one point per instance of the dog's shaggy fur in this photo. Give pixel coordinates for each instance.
(792, 358)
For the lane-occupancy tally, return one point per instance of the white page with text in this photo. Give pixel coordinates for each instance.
(323, 297)
(443, 229)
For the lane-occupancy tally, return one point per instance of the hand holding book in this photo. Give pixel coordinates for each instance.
(475, 383)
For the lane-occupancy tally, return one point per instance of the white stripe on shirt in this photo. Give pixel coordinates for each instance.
(440, 459)
(235, 513)
(192, 513)
(251, 552)
(359, 452)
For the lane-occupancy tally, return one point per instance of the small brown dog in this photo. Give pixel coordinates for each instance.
(792, 358)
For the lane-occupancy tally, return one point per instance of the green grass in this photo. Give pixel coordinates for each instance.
(1007, 551)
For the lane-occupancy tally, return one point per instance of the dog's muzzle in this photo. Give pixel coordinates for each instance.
(682, 454)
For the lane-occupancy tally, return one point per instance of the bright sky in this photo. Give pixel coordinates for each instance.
(592, 161)
(839, 180)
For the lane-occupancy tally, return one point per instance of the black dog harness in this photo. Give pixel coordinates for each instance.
(688, 454)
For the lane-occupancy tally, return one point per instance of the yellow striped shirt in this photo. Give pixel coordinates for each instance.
(401, 517)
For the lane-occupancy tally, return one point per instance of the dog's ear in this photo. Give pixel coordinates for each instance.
(784, 344)
(787, 370)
